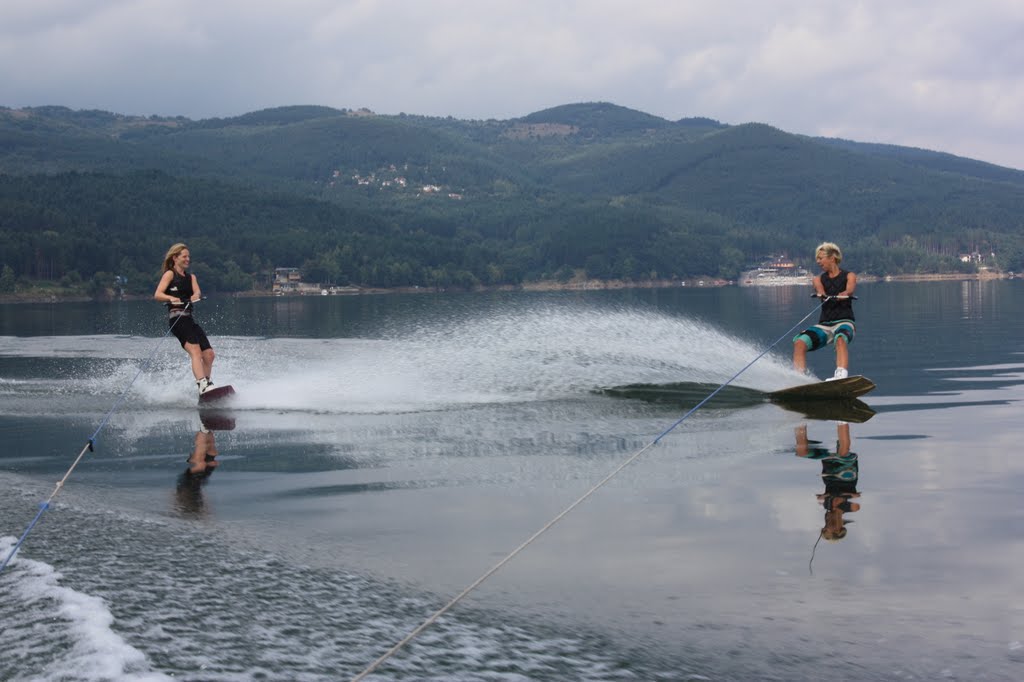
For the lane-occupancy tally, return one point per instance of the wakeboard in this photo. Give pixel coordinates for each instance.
(838, 389)
(215, 394)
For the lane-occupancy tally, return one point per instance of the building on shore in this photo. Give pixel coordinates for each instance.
(776, 271)
(288, 282)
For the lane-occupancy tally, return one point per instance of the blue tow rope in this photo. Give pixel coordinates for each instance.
(89, 447)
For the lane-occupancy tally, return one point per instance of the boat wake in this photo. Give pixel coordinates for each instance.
(545, 354)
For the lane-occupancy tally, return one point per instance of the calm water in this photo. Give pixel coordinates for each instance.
(385, 451)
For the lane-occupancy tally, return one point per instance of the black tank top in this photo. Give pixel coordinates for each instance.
(837, 309)
(180, 286)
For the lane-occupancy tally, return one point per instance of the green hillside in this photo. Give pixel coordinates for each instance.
(353, 197)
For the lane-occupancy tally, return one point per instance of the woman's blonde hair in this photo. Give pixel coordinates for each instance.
(172, 253)
(830, 249)
(833, 535)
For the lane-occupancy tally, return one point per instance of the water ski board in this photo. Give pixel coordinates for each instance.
(839, 389)
(690, 394)
(214, 394)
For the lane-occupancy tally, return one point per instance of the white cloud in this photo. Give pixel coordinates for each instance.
(945, 75)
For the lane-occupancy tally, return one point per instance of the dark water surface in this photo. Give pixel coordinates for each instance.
(383, 452)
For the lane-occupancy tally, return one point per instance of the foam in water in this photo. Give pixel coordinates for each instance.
(37, 611)
(543, 354)
(256, 616)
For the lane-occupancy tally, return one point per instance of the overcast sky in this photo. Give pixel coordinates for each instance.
(940, 74)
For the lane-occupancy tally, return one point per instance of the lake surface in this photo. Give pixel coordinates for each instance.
(383, 452)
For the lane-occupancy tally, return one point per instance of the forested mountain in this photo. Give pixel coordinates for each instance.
(355, 197)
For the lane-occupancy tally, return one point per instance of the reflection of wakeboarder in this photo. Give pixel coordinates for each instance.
(839, 472)
(204, 453)
(201, 464)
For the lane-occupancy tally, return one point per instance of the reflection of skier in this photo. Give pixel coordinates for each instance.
(204, 453)
(201, 464)
(839, 472)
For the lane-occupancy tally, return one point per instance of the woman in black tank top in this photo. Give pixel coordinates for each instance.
(178, 288)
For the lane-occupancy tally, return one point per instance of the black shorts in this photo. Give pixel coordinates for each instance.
(187, 331)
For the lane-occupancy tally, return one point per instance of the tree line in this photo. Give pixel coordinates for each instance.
(90, 198)
(79, 229)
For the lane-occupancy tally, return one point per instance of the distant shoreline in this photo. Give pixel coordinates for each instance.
(938, 277)
(549, 285)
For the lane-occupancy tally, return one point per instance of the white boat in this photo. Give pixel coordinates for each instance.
(775, 277)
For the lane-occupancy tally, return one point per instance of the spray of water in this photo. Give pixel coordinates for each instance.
(543, 354)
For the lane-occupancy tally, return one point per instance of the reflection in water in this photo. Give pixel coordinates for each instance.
(783, 295)
(971, 300)
(202, 462)
(839, 472)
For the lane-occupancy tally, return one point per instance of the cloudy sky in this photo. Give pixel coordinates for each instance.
(940, 74)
